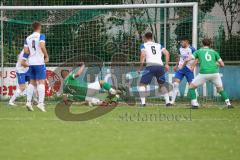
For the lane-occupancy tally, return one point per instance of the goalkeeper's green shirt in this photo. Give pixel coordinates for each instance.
(208, 60)
(75, 88)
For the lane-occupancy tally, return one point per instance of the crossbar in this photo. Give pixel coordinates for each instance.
(88, 7)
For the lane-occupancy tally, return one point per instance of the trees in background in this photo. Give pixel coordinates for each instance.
(91, 32)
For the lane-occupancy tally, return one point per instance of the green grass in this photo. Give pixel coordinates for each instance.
(210, 133)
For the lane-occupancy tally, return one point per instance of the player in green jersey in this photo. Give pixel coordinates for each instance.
(76, 89)
(209, 61)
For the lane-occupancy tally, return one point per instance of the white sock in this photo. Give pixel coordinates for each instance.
(16, 94)
(30, 90)
(35, 94)
(142, 90)
(41, 93)
(175, 91)
(163, 90)
(166, 98)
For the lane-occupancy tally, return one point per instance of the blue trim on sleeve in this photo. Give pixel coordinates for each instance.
(142, 46)
(42, 37)
(179, 50)
(25, 55)
(162, 46)
(192, 48)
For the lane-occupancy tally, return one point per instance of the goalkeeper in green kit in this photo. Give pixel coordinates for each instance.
(209, 61)
(75, 88)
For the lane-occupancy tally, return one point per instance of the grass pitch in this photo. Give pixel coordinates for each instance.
(133, 133)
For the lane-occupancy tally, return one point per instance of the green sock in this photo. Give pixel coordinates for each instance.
(106, 86)
(192, 93)
(223, 95)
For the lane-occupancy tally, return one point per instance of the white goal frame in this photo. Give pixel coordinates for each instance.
(194, 5)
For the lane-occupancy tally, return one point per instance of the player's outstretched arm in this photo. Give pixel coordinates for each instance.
(79, 72)
(191, 57)
(219, 59)
(194, 64)
(220, 62)
(167, 58)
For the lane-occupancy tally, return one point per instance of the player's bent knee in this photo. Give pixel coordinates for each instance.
(176, 80)
(175, 84)
(33, 82)
(142, 84)
(192, 86)
(41, 81)
(219, 89)
(22, 87)
(101, 82)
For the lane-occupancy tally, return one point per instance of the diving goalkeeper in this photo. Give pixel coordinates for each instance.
(76, 89)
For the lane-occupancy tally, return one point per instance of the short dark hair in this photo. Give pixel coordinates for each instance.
(64, 70)
(36, 25)
(148, 35)
(206, 42)
(185, 39)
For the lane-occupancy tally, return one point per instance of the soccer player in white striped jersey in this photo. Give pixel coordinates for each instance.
(36, 53)
(152, 52)
(185, 51)
(22, 77)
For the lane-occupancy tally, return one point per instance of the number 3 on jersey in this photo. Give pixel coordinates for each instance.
(208, 57)
(153, 50)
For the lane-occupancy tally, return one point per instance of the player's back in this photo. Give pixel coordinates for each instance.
(74, 86)
(208, 60)
(36, 56)
(153, 53)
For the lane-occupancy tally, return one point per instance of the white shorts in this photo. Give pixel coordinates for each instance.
(202, 78)
(93, 89)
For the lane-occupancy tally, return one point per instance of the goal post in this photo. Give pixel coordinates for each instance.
(78, 30)
(123, 6)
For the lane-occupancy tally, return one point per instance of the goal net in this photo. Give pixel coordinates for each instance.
(106, 37)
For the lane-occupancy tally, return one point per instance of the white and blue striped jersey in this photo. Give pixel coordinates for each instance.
(19, 67)
(36, 56)
(153, 53)
(184, 54)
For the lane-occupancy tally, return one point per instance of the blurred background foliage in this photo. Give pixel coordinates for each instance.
(107, 32)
